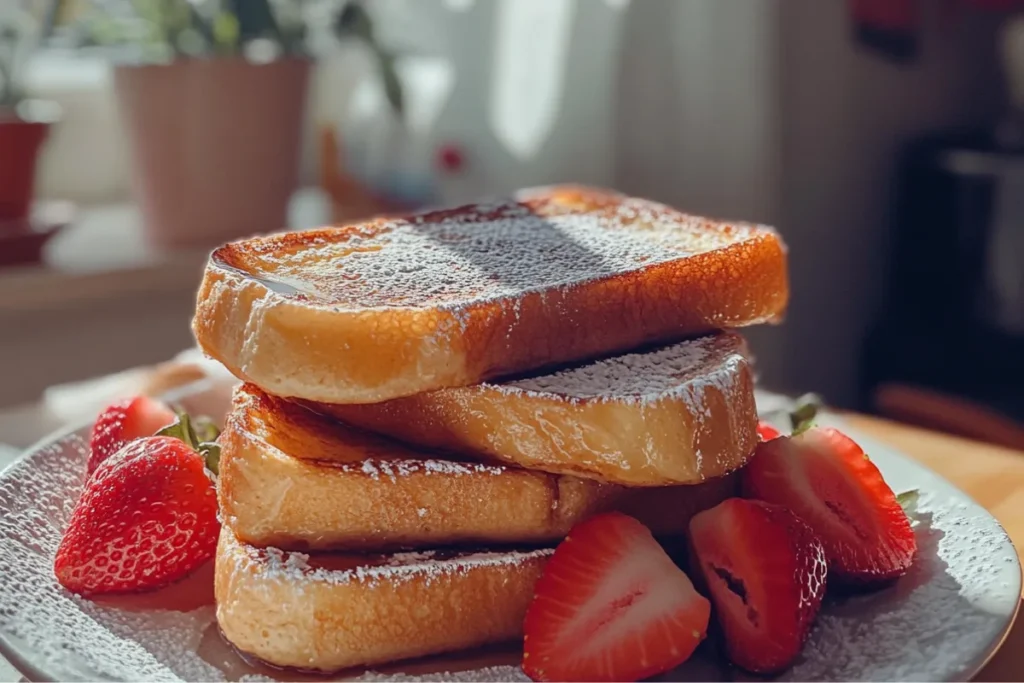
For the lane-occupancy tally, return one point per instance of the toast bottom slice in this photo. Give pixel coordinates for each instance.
(330, 612)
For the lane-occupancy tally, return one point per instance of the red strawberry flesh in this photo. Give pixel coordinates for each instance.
(611, 606)
(767, 432)
(123, 422)
(830, 483)
(147, 517)
(765, 572)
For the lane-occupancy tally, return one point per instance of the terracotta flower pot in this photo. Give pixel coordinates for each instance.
(215, 145)
(21, 139)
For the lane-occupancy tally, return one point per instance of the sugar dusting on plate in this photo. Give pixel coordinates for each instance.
(939, 623)
(110, 639)
(485, 675)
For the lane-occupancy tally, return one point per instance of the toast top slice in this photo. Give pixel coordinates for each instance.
(543, 239)
(400, 306)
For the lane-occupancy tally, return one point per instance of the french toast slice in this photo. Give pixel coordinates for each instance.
(398, 306)
(295, 480)
(678, 414)
(328, 612)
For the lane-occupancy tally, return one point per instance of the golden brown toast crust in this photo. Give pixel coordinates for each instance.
(295, 480)
(333, 612)
(394, 307)
(679, 414)
(292, 480)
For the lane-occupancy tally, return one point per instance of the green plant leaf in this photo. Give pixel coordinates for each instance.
(354, 22)
(225, 32)
(392, 86)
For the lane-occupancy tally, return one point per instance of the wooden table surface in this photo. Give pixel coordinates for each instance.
(991, 475)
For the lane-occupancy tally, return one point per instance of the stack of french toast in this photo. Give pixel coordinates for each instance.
(431, 404)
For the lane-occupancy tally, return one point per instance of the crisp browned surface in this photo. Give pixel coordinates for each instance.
(280, 312)
(294, 480)
(702, 424)
(327, 626)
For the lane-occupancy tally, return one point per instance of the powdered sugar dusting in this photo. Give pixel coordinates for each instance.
(297, 568)
(484, 251)
(376, 468)
(485, 675)
(681, 370)
(900, 634)
(938, 623)
(102, 640)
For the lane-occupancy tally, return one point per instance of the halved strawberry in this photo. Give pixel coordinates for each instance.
(830, 483)
(765, 571)
(123, 422)
(766, 432)
(611, 606)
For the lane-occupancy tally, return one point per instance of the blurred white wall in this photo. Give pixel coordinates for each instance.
(750, 109)
(767, 111)
(845, 113)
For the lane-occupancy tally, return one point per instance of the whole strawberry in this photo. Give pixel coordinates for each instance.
(147, 517)
(125, 421)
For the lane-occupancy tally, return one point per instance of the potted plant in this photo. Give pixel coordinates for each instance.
(212, 97)
(24, 123)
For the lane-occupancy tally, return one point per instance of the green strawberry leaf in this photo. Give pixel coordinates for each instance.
(803, 415)
(211, 454)
(908, 501)
(200, 436)
(205, 428)
(182, 430)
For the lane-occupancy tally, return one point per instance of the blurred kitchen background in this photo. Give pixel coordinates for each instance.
(883, 138)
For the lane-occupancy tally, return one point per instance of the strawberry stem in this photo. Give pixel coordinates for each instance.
(203, 442)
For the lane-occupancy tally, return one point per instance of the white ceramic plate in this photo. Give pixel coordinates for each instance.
(941, 622)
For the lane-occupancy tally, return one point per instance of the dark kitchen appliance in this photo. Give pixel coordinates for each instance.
(953, 315)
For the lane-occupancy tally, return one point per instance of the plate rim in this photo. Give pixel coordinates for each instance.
(967, 672)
